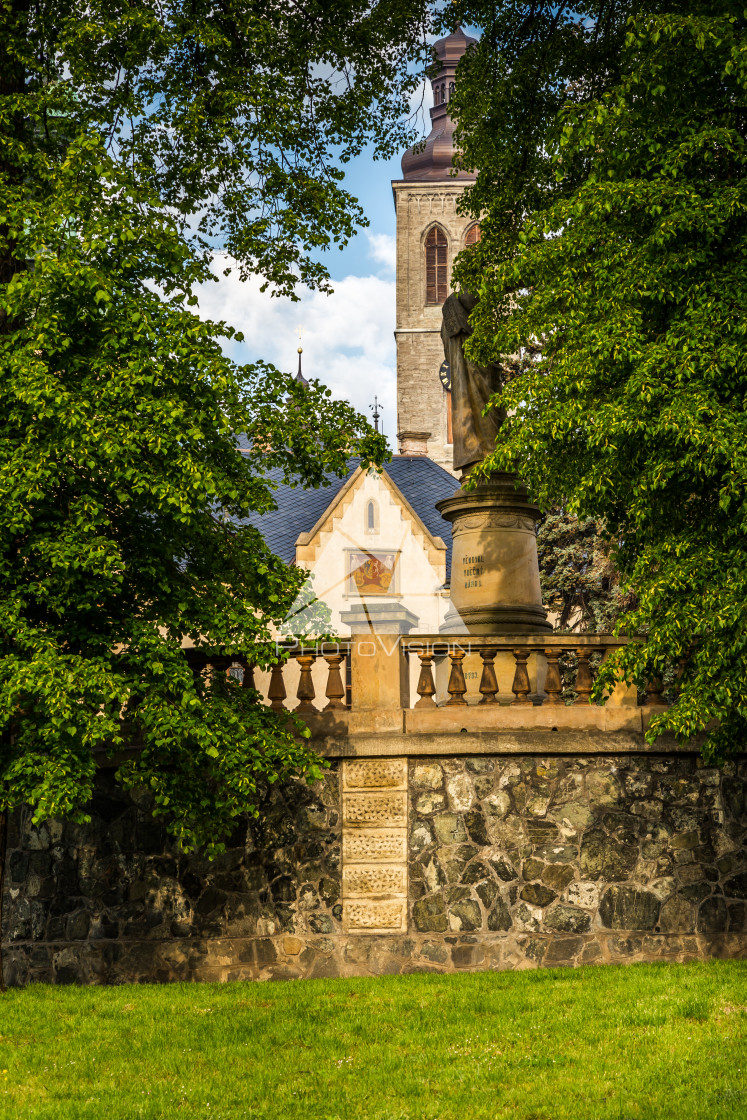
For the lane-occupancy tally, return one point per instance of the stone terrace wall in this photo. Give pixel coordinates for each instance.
(514, 861)
(116, 901)
(577, 860)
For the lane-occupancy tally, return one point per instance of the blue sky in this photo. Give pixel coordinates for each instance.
(348, 339)
(370, 182)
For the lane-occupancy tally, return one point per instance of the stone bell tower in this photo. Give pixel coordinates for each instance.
(430, 233)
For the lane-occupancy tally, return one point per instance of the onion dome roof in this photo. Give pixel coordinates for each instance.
(434, 161)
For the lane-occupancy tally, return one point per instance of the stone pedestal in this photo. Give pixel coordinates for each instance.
(386, 617)
(495, 586)
(379, 672)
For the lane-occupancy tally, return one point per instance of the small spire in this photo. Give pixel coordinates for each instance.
(300, 379)
(377, 409)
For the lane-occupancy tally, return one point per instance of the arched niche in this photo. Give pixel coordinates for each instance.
(371, 517)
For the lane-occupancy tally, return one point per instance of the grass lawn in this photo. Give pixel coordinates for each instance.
(646, 1041)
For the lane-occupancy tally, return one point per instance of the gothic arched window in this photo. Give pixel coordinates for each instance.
(452, 87)
(436, 247)
(473, 235)
(372, 518)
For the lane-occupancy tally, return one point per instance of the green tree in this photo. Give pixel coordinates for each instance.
(612, 153)
(238, 117)
(580, 583)
(135, 140)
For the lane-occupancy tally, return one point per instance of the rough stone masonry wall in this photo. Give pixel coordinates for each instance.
(514, 861)
(115, 900)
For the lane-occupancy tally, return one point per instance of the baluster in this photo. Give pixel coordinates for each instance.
(584, 681)
(520, 687)
(426, 685)
(654, 689)
(276, 692)
(335, 688)
(457, 684)
(553, 680)
(305, 691)
(488, 681)
(248, 681)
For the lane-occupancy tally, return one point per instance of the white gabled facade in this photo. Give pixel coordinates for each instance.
(370, 517)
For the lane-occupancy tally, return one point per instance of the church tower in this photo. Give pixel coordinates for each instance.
(430, 233)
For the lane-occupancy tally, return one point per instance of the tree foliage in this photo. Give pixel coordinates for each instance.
(579, 580)
(135, 140)
(611, 146)
(237, 116)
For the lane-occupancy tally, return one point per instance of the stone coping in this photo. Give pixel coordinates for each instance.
(522, 742)
(493, 718)
(528, 717)
(528, 730)
(534, 642)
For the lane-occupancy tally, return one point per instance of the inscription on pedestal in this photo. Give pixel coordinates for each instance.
(374, 845)
(472, 568)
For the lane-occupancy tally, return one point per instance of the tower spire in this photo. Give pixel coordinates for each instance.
(434, 159)
(377, 409)
(299, 376)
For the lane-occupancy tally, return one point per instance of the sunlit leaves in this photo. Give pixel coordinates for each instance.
(616, 239)
(133, 142)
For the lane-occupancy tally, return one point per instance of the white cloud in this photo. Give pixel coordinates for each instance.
(382, 247)
(421, 97)
(347, 339)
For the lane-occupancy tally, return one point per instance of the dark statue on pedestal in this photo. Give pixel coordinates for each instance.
(495, 586)
(472, 386)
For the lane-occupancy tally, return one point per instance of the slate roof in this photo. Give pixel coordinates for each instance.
(420, 480)
(424, 483)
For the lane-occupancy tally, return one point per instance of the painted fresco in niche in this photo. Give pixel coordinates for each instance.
(372, 573)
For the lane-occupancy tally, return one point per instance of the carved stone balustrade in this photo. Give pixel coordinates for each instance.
(547, 649)
(290, 682)
(293, 683)
(456, 683)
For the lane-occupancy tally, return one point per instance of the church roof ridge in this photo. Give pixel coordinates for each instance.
(420, 481)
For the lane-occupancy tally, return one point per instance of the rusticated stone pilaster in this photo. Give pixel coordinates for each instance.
(374, 845)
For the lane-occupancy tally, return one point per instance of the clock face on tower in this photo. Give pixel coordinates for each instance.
(445, 375)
